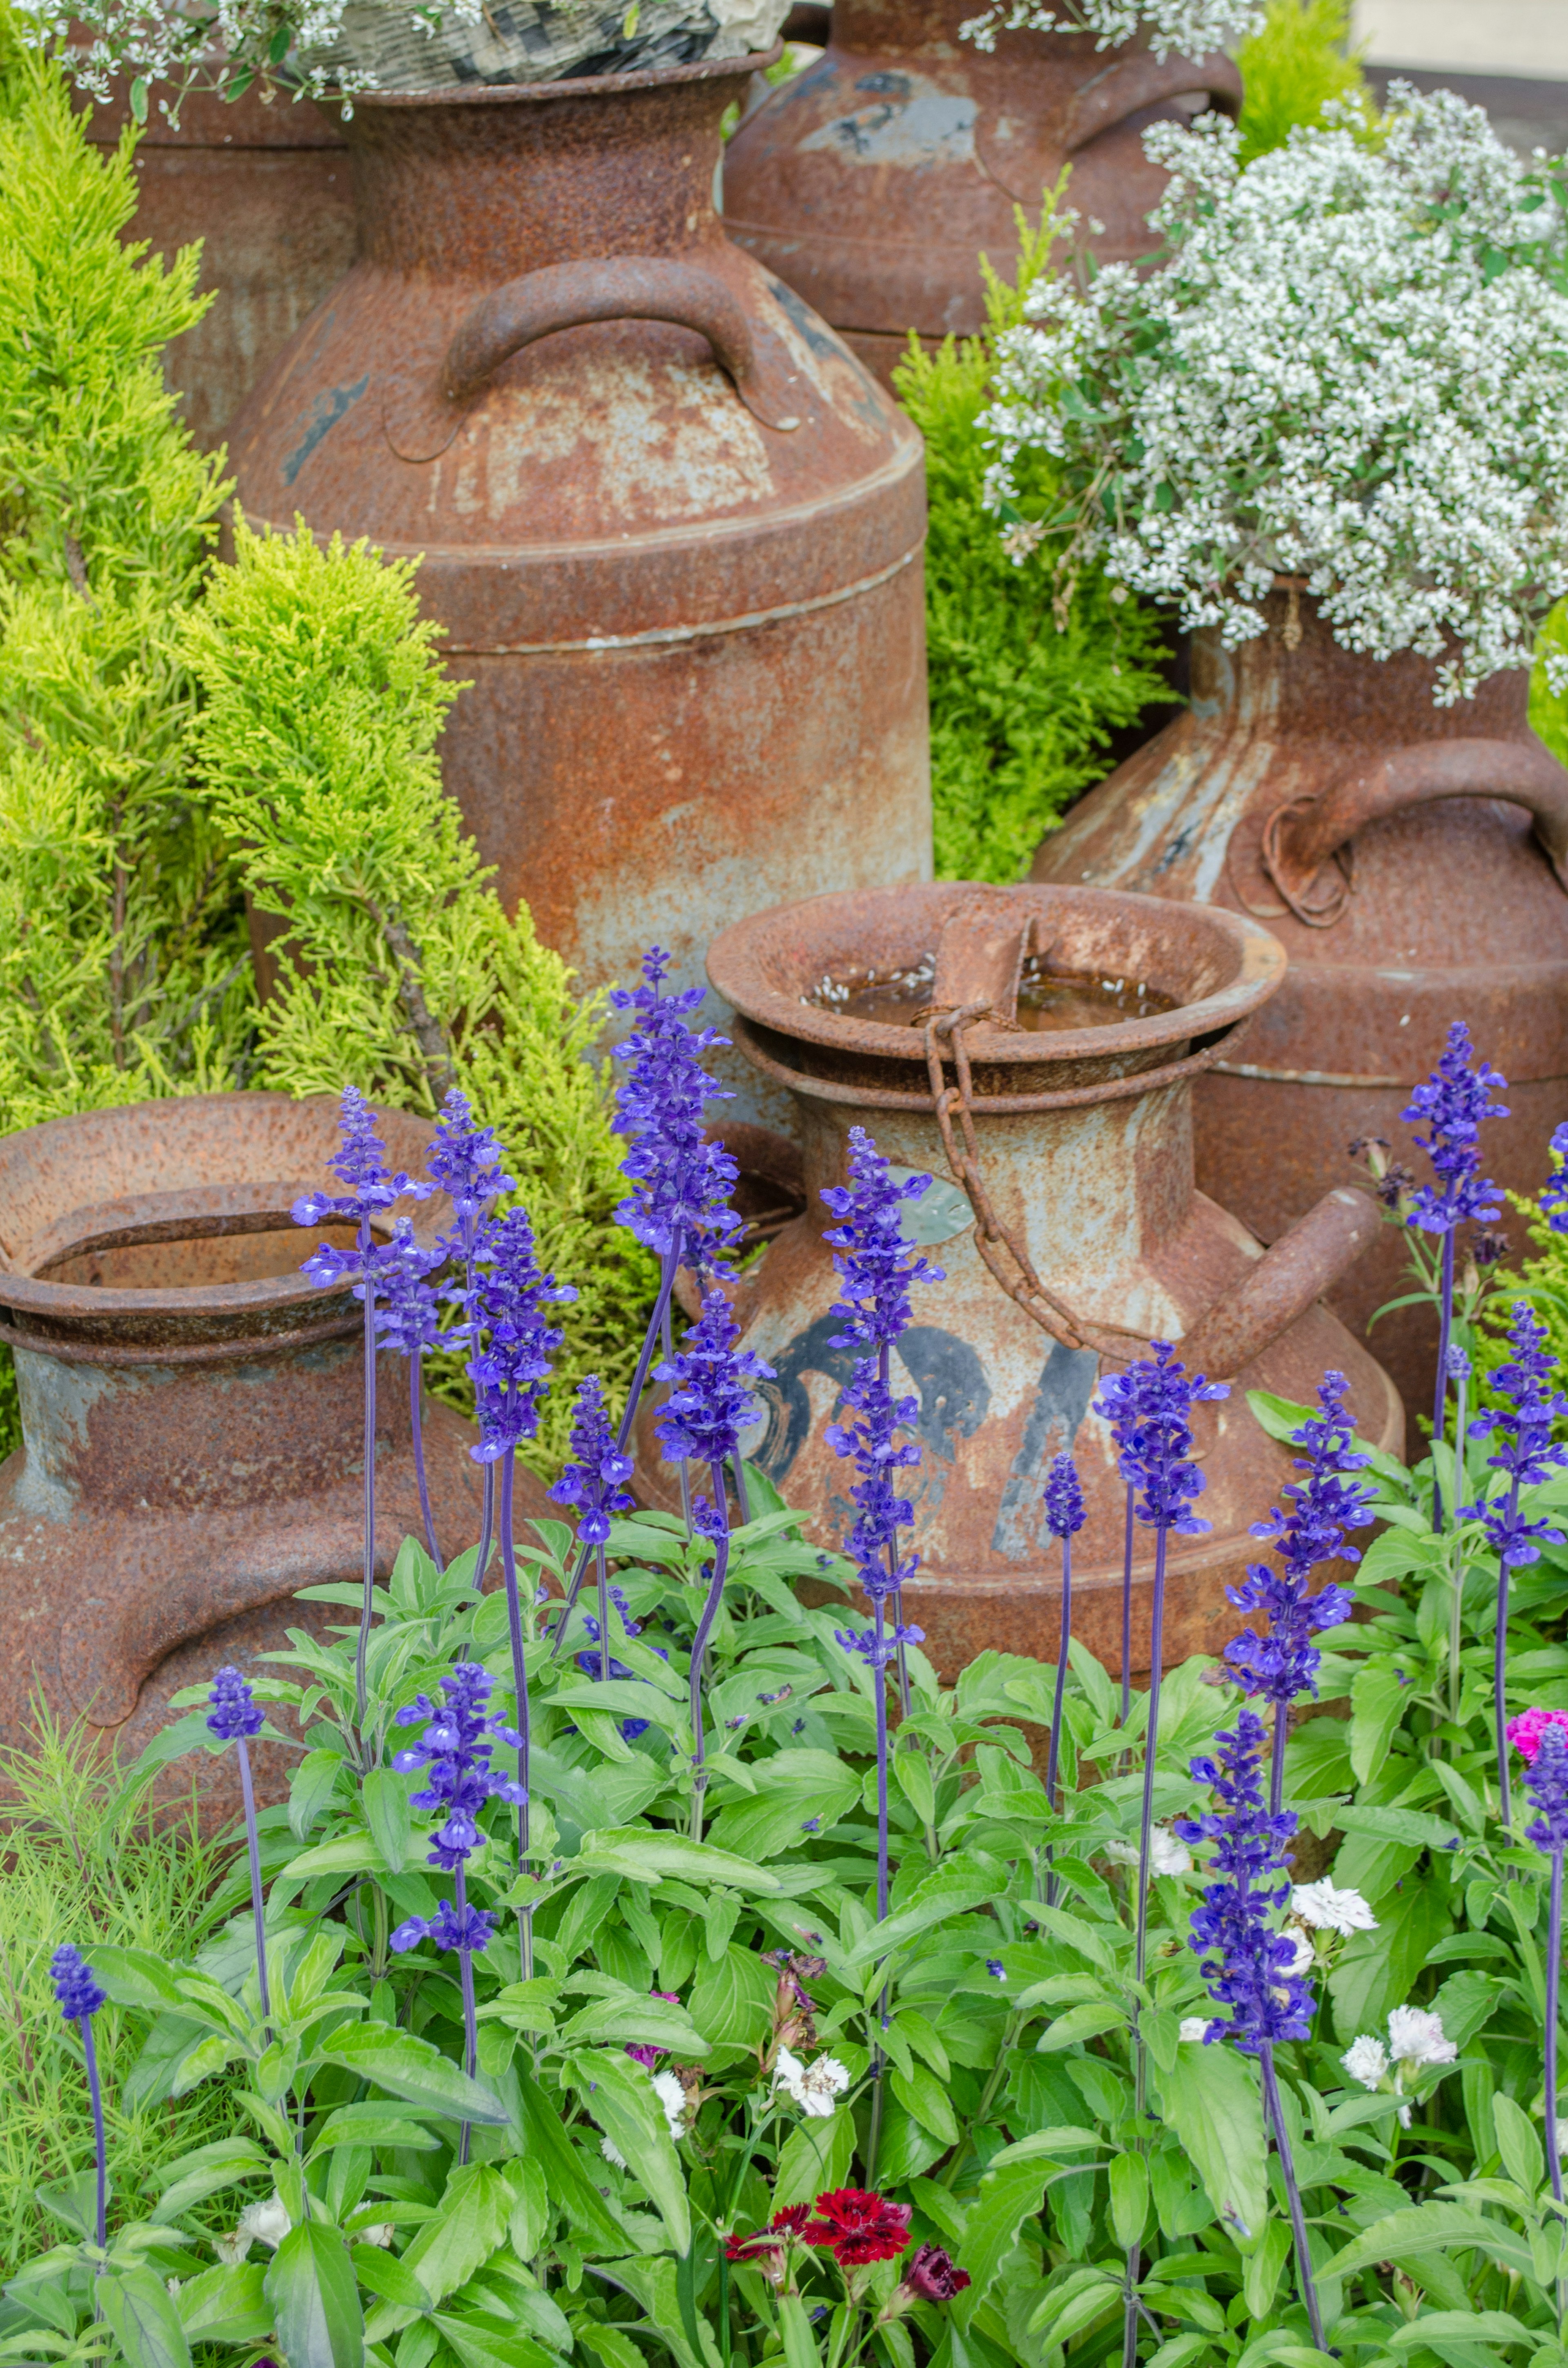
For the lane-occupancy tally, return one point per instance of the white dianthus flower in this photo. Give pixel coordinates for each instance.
(813, 2086)
(612, 2154)
(672, 2095)
(260, 2224)
(1193, 2026)
(1305, 1956)
(1166, 1855)
(1417, 2039)
(1366, 2060)
(1330, 1910)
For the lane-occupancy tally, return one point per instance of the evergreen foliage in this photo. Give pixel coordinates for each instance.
(399, 971)
(1024, 698)
(1297, 61)
(121, 964)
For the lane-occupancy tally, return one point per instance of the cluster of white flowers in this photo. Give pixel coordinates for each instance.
(1193, 27)
(814, 2086)
(1352, 371)
(1417, 2043)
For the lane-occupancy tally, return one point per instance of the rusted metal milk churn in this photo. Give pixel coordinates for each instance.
(673, 530)
(875, 181)
(266, 191)
(1079, 1123)
(1411, 861)
(192, 1408)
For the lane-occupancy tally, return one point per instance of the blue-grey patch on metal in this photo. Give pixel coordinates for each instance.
(788, 1408)
(326, 413)
(955, 1397)
(1066, 1385)
(942, 1211)
(818, 341)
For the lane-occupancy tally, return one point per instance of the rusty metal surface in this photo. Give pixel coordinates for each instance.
(1442, 904)
(266, 191)
(193, 1451)
(874, 181)
(694, 636)
(1097, 1180)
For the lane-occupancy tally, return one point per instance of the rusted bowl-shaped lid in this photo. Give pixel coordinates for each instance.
(1207, 970)
(161, 1233)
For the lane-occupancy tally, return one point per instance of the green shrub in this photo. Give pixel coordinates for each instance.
(400, 972)
(1024, 701)
(1297, 60)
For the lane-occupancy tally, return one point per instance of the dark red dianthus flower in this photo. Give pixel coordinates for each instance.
(784, 2226)
(934, 2275)
(857, 2227)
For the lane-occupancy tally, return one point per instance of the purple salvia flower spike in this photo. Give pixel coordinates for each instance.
(78, 1997)
(874, 1264)
(407, 1319)
(1065, 1517)
(511, 1369)
(465, 1161)
(1554, 1191)
(590, 1483)
(234, 1715)
(1546, 1781)
(1283, 1662)
(678, 1205)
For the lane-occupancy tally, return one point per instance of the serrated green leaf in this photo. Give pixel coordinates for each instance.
(310, 2287)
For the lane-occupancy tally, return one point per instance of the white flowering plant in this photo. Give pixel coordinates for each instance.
(1192, 27)
(1350, 369)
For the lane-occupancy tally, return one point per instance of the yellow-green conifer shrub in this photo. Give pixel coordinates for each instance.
(1297, 61)
(400, 972)
(1025, 688)
(122, 968)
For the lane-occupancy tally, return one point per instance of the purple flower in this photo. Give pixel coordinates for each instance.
(1064, 1513)
(1526, 1450)
(465, 1161)
(649, 2056)
(467, 1929)
(870, 1434)
(996, 1969)
(1452, 1103)
(1546, 1781)
(590, 1483)
(711, 1400)
(1247, 1963)
(77, 1994)
(1554, 1191)
(1284, 1663)
(233, 1713)
(511, 1371)
(874, 1264)
(681, 1183)
(1147, 1408)
(405, 1304)
(454, 1750)
(878, 1651)
(360, 1163)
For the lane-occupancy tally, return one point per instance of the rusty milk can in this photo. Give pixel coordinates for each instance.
(266, 191)
(1085, 1139)
(874, 181)
(1411, 861)
(191, 1410)
(672, 528)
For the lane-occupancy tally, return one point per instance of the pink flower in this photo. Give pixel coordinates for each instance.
(1526, 1731)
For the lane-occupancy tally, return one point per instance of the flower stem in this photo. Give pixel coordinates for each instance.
(1127, 1611)
(252, 1844)
(604, 1614)
(486, 1528)
(360, 1688)
(94, 2091)
(1146, 1817)
(1553, 1980)
(1053, 1758)
(1456, 1614)
(470, 2023)
(700, 1646)
(1440, 1398)
(415, 1415)
(885, 1371)
(1304, 2277)
(520, 1692)
(1500, 1676)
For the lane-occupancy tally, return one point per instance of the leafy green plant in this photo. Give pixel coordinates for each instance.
(1297, 61)
(1024, 695)
(398, 970)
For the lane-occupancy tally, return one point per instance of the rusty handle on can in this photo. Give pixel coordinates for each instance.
(1300, 837)
(618, 288)
(1299, 1267)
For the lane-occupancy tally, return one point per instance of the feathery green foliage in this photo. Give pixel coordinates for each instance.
(122, 965)
(399, 969)
(88, 1867)
(1023, 699)
(1297, 61)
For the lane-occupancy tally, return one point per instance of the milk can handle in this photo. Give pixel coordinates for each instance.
(619, 288)
(1293, 1271)
(1300, 837)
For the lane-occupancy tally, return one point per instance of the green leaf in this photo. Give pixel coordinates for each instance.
(469, 2223)
(634, 2021)
(1212, 2103)
(644, 1856)
(206, 2172)
(1129, 2198)
(1080, 2022)
(139, 2309)
(799, 2337)
(136, 1977)
(922, 2093)
(1520, 2144)
(620, 2096)
(1378, 1699)
(225, 2304)
(316, 2302)
(370, 2124)
(1436, 2327)
(815, 2157)
(732, 2002)
(410, 2068)
(947, 1891)
(1375, 1970)
(482, 2341)
(567, 2179)
(385, 1794)
(1006, 2200)
(139, 98)
(1432, 2228)
(390, 2279)
(792, 1787)
(310, 1788)
(1397, 1826)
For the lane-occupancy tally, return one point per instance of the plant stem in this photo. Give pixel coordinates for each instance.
(1304, 2277)
(1053, 1758)
(252, 1844)
(1277, 1757)
(682, 1471)
(604, 1614)
(486, 1528)
(415, 1413)
(884, 1370)
(520, 1692)
(700, 1646)
(1146, 1818)
(1500, 1673)
(1456, 1615)
(1553, 1978)
(361, 1655)
(1127, 1613)
(470, 2024)
(94, 2091)
(1440, 1399)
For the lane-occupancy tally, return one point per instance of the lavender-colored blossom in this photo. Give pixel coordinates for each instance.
(1554, 1191)
(1147, 1407)
(1065, 1517)
(76, 1993)
(711, 1399)
(681, 1183)
(870, 1434)
(1546, 1781)
(511, 1340)
(1246, 1963)
(406, 1306)
(360, 1164)
(1451, 1104)
(878, 1651)
(465, 1161)
(465, 1930)
(1064, 1513)
(233, 1715)
(454, 1749)
(590, 1482)
(233, 1711)
(874, 1264)
(1283, 1662)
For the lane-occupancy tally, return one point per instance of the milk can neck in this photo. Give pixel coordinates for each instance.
(488, 186)
(933, 27)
